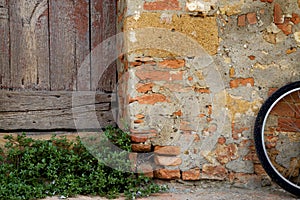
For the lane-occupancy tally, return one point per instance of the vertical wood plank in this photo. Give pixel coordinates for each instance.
(25, 53)
(103, 26)
(42, 38)
(82, 28)
(62, 45)
(69, 44)
(4, 46)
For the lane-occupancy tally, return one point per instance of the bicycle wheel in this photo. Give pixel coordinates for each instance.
(277, 137)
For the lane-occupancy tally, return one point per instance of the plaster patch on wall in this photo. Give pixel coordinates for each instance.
(297, 36)
(206, 29)
(132, 36)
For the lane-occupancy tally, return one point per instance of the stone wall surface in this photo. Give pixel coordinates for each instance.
(192, 77)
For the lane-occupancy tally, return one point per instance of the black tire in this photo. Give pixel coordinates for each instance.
(272, 136)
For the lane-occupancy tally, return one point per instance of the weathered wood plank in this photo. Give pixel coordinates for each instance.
(82, 28)
(25, 54)
(51, 119)
(62, 45)
(70, 45)
(54, 110)
(48, 100)
(42, 38)
(103, 27)
(4, 46)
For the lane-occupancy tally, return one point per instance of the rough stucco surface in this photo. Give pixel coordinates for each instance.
(185, 24)
(206, 105)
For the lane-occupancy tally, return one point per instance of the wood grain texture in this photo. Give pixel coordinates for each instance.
(4, 46)
(69, 45)
(103, 28)
(43, 46)
(25, 54)
(53, 110)
(42, 38)
(82, 28)
(62, 45)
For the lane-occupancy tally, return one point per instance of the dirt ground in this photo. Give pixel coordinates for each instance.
(208, 191)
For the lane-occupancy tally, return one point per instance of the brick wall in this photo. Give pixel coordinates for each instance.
(192, 77)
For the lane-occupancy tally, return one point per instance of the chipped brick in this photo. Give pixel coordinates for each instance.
(251, 18)
(167, 174)
(172, 64)
(241, 82)
(191, 175)
(141, 147)
(278, 17)
(143, 88)
(167, 160)
(242, 20)
(167, 150)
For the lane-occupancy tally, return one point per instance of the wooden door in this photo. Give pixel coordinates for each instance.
(43, 44)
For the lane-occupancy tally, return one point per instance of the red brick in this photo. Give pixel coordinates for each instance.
(138, 138)
(213, 172)
(141, 147)
(167, 160)
(167, 174)
(295, 18)
(172, 64)
(162, 5)
(154, 75)
(191, 175)
(242, 20)
(167, 150)
(278, 17)
(143, 88)
(269, 1)
(286, 28)
(251, 18)
(150, 99)
(241, 82)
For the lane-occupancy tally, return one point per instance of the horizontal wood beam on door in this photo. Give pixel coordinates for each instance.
(36, 110)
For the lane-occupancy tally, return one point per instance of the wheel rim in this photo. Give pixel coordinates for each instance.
(281, 125)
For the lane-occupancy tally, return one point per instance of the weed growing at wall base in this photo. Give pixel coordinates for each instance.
(32, 169)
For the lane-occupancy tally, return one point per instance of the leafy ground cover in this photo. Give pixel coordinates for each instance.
(33, 169)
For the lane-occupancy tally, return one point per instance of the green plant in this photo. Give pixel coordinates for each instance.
(32, 169)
